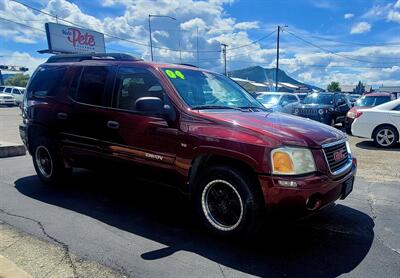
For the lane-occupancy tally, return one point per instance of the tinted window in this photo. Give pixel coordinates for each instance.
(319, 99)
(372, 100)
(16, 91)
(397, 108)
(45, 81)
(92, 86)
(291, 99)
(134, 83)
(7, 90)
(1, 88)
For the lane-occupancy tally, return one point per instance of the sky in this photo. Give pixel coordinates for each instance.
(325, 40)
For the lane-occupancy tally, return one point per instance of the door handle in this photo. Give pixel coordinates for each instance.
(113, 124)
(62, 116)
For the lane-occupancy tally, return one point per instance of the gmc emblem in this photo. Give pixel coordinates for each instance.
(337, 156)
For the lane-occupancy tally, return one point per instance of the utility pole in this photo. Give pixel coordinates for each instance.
(224, 53)
(151, 41)
(197, 46)
(277, 57)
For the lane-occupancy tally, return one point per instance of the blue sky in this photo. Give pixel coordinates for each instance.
(342, 40)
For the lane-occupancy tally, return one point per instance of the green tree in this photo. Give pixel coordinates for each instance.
(334, 87)
(19, 80)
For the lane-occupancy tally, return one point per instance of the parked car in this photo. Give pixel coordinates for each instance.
(353, 97)
(279, 101)
(186, 127)
(327, 108)
(7, 99)
(16, 92)
(366, 101)
(380, 123)
(301, 96)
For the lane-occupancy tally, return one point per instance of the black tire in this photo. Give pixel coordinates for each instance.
(48, 162)
(240, 191)
(386, 142)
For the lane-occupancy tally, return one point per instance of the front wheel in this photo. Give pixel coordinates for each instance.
(386, 136)
(48, 162)
(228, 202)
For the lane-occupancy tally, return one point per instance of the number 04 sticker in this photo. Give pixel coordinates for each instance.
(174, 74)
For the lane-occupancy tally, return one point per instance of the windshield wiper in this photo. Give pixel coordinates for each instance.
(255, 107)
(199, 107)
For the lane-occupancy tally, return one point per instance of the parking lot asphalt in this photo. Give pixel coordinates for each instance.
(142, 230)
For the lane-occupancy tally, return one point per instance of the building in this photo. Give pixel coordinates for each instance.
(394, 90)
(355, 89)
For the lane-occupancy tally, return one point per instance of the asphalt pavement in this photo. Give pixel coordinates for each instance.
(142, 230)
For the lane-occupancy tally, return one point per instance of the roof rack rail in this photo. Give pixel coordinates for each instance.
(60, 58)
(189, 65)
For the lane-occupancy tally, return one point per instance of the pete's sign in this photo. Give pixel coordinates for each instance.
(70, 39)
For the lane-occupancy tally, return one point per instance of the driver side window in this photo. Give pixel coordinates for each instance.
(133, 84)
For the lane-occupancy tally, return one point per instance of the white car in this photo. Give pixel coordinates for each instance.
(279, 101)
(16, 92)
(7, 99)
(380, 123)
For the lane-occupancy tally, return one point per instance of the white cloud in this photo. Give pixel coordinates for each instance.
(394, 16)
(397, 5)
(22, 59)
(247, 25)
(348, 16)
(360, 28)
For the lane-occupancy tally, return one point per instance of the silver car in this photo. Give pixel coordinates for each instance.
(279, 101)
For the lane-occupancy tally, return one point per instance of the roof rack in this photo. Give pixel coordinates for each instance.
(189, 65)
(92, 56)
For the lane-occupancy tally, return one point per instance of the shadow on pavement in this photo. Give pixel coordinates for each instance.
(327, 244)
(370, 145)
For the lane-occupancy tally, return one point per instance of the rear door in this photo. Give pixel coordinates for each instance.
(83, 116)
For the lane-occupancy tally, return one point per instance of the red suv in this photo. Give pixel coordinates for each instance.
(186, 127)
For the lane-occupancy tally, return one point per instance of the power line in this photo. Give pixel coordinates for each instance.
(253, 42)
(334, 53)
(109, 35)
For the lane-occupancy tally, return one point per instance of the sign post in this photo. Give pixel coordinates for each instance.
(72, 40)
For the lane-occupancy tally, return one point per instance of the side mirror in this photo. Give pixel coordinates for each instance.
(149, 105)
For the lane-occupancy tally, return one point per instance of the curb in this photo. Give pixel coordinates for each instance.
(11, 149)
(9, 270)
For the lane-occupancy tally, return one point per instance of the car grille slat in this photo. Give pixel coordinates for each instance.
(335, 165)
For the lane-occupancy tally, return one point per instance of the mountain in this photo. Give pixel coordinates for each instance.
(260, 74)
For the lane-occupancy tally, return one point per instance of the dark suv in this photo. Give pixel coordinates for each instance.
(327, 108)
(186, 127)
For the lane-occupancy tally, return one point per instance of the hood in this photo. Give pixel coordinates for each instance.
(5, 95)
(315, 106)
(280, 128)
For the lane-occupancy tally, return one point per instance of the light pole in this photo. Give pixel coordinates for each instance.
(151, 41)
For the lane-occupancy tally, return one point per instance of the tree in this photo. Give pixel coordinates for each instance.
(20, 80)
(360, 89)
(334, 87)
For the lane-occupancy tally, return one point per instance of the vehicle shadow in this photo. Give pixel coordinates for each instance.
(370, 145)
(327, 244)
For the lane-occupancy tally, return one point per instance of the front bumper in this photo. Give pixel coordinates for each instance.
(7, 102)
(326, 189)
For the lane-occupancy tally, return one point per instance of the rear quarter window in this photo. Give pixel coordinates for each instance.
(46, 81)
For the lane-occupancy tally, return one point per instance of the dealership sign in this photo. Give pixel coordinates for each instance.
(70, 39)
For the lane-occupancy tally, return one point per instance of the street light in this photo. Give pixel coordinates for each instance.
(151, 41)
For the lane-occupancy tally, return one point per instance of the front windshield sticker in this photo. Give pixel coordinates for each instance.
(175, 74)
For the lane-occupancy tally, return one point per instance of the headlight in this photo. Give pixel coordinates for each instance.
(292, 161)
(321, 111)
(351, 115)
(348, 147)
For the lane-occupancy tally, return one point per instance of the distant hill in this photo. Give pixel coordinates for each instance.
(260, 74)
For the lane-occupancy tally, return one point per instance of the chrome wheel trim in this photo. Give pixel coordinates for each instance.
(206, 206)
(385, 137)
(44, 161)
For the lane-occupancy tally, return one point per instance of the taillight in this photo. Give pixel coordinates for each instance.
(358, 114)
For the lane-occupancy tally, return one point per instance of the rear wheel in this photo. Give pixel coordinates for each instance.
(386, 136)
(48, 162)
(228, 202)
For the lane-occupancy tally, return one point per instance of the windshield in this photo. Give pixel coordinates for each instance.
(319, 99)
(372, 100)
(269, 99)
(209, 90)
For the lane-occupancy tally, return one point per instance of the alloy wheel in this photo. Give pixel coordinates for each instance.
(385, 137)
(44, 161)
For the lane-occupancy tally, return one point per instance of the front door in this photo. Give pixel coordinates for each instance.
(144, 138)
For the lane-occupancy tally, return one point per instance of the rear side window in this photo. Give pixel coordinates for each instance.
(92, 85)
(45, 81)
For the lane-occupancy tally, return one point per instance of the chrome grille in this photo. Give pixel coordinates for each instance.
(337, 156)
(307, 111)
